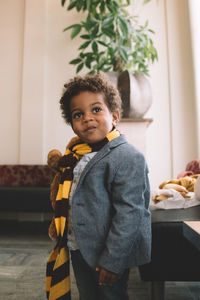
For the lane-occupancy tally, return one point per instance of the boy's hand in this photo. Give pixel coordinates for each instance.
(106, 277)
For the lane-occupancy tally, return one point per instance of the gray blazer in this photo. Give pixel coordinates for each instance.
(111, 219)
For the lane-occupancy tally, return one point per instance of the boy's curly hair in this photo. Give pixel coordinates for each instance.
(97, 83)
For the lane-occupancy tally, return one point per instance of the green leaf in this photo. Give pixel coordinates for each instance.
(88, 54)
(108, 32)
(89, 24)
(97, 16)
(79, 5)
(76, 28)
(107, 69)
(63, 2)
(95, 67)
(85, 36)
(75, 61)
(95, 47)
(128, 2)
(123, 26)
(95, 31)
(80, 67)
(102, 43)
(88, 4)
(150, 30)
(84, 5)
(71, 5)
(101, 53)
(69, 27)
(107, 22)
(88, 62)
(75, 31)
(112, 6)
(108, 27)
(112, 51)
(91, 72)
(102, 7)
(123, 54)
(84, 45)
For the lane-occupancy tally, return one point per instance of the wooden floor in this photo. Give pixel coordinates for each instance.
(24, 250)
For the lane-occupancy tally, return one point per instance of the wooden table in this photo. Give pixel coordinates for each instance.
(191, 231)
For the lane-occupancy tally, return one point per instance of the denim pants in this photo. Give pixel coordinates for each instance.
(87, 282)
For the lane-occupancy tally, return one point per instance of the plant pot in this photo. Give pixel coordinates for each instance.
(113, 77)
(136, 94)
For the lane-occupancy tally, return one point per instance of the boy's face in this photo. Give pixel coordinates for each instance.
(91, 117)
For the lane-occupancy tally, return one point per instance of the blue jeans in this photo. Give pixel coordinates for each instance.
(87, 282)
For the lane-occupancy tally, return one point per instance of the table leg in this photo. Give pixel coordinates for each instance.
(157, 290)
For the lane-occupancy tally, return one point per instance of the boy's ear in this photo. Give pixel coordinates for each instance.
(115, 116)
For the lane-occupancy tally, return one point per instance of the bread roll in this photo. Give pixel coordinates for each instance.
(160, 197)
(176, 187)
(179, 188)
(174, 181)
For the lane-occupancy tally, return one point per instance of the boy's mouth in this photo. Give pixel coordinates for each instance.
(90, 129)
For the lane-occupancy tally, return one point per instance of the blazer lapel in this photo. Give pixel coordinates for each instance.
(100, 154)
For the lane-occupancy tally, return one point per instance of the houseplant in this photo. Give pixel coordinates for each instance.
(111, 39)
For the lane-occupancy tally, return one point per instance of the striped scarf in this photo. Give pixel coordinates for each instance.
(58, 280)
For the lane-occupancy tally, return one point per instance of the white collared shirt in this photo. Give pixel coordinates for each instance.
(71, 241)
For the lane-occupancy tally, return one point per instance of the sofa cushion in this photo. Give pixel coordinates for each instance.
(26, 175)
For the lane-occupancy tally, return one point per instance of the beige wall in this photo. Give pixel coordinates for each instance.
(194, 8)
(181, 84)
(172, 138)
(11, 55)
(34, 60)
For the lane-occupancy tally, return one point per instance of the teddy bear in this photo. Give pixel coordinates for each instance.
(192, 168)
(54, 162)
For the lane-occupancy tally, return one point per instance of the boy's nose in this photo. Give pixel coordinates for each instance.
(87, 117)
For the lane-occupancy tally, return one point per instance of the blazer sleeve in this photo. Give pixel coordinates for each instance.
(130, 195)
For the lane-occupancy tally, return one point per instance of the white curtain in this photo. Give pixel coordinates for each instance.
(194, 10)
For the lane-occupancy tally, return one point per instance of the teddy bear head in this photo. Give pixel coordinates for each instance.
(53, 159)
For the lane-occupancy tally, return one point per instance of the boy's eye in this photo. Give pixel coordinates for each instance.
(77, 115)
(96, 109)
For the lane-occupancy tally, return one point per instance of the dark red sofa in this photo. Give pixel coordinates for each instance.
(25, 188)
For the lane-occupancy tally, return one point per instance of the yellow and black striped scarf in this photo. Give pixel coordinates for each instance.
(58, 280)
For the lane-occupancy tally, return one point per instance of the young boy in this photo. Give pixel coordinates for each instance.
(108, 228)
